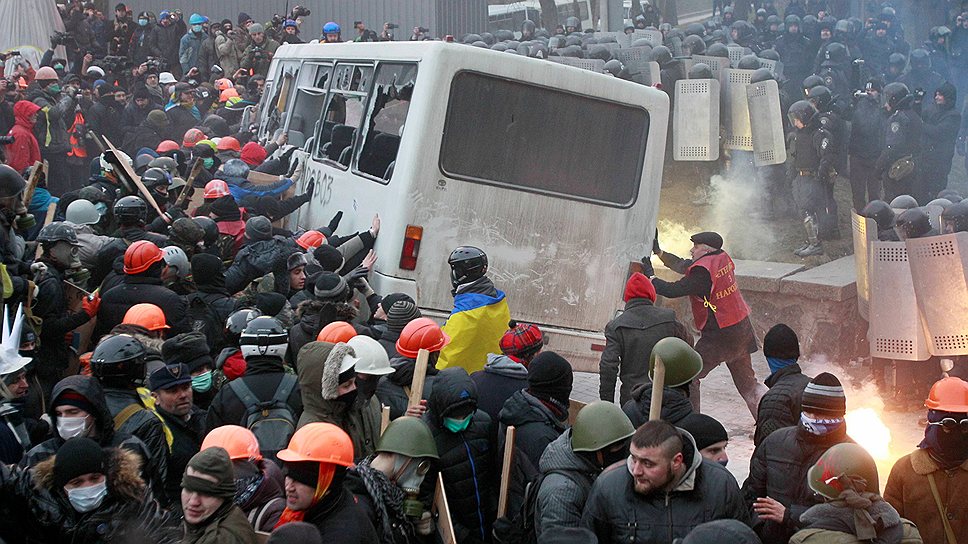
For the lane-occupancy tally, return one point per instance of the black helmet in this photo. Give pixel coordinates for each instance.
(487, 38)
(897, 60)
(662, 55)
(57, 232)
(880, 212)
(920, 59)
(744, 31)
(693, 45)
(717, 50)
(527, 27)
(264, 337)
(903, 202)
(717, 36)
(769, 54)
(728, 9)
(821, 97)
(761, 74)
(955, 218)
(913, 223)
(471, 38)
(130, 209)
(155, 177)
(641, 42)
(835, 53)
(952, 195)
(811, 82)
(748, 62)
(695, 29)
(467, 263)
(888, 13)
(119, 358)
(503, 35)
(803, 111)
(11, 182)
(210, 228)
(774, 20)
(572, 22)
(896, 95)
(599, 52)
(614, 67)
(842, 26)
(237, 322)
(499, 47)
(700, 70)
(792, 20)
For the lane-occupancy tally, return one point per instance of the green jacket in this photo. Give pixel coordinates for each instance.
(232, 528)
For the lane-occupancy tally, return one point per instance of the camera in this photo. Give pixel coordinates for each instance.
(277, 20)
(157, 64)
(113, 64)
(61, 38)
(6, 140)
(423, 30)
(300, 11)
(391, 26)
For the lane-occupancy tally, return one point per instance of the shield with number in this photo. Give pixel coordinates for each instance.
(766, 123)
(736, 112)
(864, 231)
(938, 268)
(896, 330)
(695, 124)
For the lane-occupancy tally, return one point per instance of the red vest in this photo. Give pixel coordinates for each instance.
(724, 298)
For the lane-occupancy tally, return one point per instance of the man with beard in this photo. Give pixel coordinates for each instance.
(666, 481)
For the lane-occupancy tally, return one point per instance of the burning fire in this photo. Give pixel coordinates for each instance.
(866, 427)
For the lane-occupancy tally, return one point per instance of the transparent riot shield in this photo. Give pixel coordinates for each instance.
(735, 112)
(939, 268)
(766, 123)
(896, 329)
(695, 124)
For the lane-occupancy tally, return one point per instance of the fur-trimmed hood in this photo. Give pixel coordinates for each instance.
(123, 475)
(330, 381)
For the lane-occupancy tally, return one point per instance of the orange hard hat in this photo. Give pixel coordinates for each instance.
(166, 146)
(240, 442)
(336, 332)
(140, 256)
(319, 443)
(224, 83)
(421, 333)
(229, 143)
(146, 315)
(216, 189)
(46, 73)
(192, 137)
(948, 395)
(228, 93)
(311, 239)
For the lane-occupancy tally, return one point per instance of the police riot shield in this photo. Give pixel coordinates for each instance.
(717, 65)
(654, 36)
(774, 66)
(649, 74)
(864, 231)
(695, 124)
(634, 59)
(939, 266)
(766, 123)
(621, 38)
(736, 114)
(737, 52)
(896, 330)
(592, 65)
(934, 216)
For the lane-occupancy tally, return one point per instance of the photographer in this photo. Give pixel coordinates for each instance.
(259, 53)
(387, 34)
(364, 34)
(419, 34)
(51, 128)
(163, 42)
(230, 47)
(119, 34)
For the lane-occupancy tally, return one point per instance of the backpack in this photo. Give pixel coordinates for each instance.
(521, 528)
(205, 320)
(271, 421)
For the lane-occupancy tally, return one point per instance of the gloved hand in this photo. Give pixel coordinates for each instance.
(334, 222)
(656, 250)
(37, 270)
(647, 268)
(357, 278)
(310, 187)
(91, 304)
(424, 525)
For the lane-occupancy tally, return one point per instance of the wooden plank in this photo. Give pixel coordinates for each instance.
(574, 406)
(445, 527)
(51, 209)
(32, 180)
(384, 419)
(502, 502)
(419, 375)
(136, 179)
(658, 382)
(261, 537)
(187, 191)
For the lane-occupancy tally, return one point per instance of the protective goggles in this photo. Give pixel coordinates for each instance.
(950, 425)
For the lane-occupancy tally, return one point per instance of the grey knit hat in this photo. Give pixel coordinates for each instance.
(400, 313)
(258, 228)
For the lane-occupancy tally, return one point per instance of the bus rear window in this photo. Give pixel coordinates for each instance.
(543, 140)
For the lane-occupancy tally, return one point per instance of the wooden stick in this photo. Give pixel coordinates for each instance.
(384, 419)
(51, 208)
(419, 375)
(502, 502)
(445, 527)
(32, 181)
(188, 189)
(145, 193)
(658, 382)
(574, 406)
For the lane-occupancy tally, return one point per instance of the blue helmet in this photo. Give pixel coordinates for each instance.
(197, 19)
(164, 15)
(288, 23)
(331, 28)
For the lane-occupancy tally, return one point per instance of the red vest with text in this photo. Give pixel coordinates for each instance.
(724, 299)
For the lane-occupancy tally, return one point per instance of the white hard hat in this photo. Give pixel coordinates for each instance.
(370, 358)
(82, 212)
(165, 78)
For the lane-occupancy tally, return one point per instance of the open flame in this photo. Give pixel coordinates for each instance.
(867, 428)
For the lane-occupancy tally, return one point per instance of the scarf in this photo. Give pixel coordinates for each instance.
(387, 498)
(327, 471)
(949, 450)
(777, 364)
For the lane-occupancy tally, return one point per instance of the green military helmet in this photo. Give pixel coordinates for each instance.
(408, 436)
(843, 466)
(600, 424)
(682, 363)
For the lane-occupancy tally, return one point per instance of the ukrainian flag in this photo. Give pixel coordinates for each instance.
(475, 328)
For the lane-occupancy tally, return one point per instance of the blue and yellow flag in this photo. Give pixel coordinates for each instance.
(475, 327)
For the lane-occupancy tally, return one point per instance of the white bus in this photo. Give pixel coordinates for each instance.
(510, 16)
(553, 171)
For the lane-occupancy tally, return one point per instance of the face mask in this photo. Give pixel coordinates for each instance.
(71, 427)
(208, 163)
(85, 499)
(367, 387)
(457, 425)
(609, 458)
(348, 398)
(142, 22)
(54, 88)
(197, 29)
(202, 382)
(820, 427)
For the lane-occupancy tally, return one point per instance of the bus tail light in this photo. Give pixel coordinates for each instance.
(411, 247)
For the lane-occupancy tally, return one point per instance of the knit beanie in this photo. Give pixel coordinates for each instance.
(522, 340)
(190, 348)
(77, 457)
(158, 119)
(781, 342)
(824, 395)
(186, 230)
(258, 228)
(206, 267)
(215, 463)
(243, 18)
(72, 398)
(639, 286)
(253, 154)
(295, 531)
(402, 312)
(550, 377)
(704, 429)
(225, 208)
(388, 301)
(328, 257)
(304, 472)
(270, 303)
(721, 530)
(256, 28)
(330, 285)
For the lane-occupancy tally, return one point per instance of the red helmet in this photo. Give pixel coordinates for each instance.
(192, 137)
(140, 256)
(166, 146)
(229, 143)
(216, 189)
(311, 239)
(421, 333)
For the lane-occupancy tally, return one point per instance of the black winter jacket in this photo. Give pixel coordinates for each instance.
(187, 440)
(50, 304)
(778, 470)
(262, 376)
(394, 389)
(104, 119)
(114, 250)
(568, 479)
(780, 406)
(342, 519)
(938, 134)
(147, 427)
(135, 290)
(675, 405)
(867, 129)
(141, 135)
(466, 458)
(500, 378)
(253, 261)
(181, 120)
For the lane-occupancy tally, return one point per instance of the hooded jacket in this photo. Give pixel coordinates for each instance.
(568, 479)
(675, 405)
(393, 390)
(318, 371)
(52, 123)
(834, 519)
(501, 377)
(25, 150)
(939, 132)
(704, 492)
(780, 406)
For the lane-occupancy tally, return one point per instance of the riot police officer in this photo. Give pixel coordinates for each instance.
(883, 216)
(794, 49)
(866, 143)
(955, 218)
(902, 141)
(835, 156)
(813, 154)
(921, 75)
